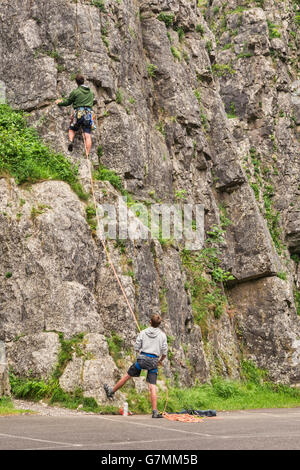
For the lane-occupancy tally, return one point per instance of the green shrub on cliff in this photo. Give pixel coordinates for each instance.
(167, 19)
(99, 4)
(26, 158)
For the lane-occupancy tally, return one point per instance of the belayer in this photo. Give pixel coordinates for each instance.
(83, 116)
(151, 344)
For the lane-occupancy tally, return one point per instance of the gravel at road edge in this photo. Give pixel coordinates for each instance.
(43, 409)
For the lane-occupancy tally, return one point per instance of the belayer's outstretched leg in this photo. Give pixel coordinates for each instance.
(111, 391)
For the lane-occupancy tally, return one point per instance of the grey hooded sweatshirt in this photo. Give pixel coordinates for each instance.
(152, 341)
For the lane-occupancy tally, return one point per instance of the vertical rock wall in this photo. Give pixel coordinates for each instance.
(194, 99)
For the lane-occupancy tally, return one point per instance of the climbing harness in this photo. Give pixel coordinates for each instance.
(83, 116)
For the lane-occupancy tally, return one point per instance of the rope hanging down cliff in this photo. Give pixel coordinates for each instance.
(104, 244)
(77, 45)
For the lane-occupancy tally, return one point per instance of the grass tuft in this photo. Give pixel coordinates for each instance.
(7, 407)
(27, 159)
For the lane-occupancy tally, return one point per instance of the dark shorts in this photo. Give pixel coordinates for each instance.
(145, 363)
(80, 124)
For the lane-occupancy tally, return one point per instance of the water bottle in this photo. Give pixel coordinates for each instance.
(125, 409)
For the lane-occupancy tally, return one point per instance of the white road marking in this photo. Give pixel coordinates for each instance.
(157, 427)
(221, 436)
(193, 435)
(39, 440)
(179, 439)
(49, 448)
(111, 443)
(149, 441)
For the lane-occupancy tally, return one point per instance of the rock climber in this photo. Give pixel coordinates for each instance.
(150, 344)
(82, 99)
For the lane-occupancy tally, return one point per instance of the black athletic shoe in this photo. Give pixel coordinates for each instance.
(109, 391)
(156, 414)
(70, 147)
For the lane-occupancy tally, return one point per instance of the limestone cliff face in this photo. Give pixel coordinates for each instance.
(194, 98)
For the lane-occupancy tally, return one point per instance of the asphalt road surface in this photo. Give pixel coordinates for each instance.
(276, 429)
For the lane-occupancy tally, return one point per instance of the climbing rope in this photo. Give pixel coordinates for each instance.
(183, 418)
(187, 418)
(167, 398)
(77, 46)
(103, 241)
(115, 272)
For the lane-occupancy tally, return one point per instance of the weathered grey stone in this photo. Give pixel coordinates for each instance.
(262, 313)
(4, 381)
(293, 231)
(33, 355)
(4, 378)
(253, 256)
(51, 262)
(91, 369)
